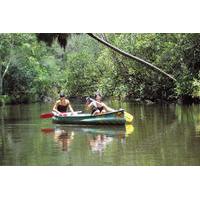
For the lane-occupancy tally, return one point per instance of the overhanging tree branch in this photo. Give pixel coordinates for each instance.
(131, 56)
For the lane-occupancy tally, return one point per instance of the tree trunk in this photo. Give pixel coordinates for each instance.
(131, 56)
(1, 81)
(1, 86)
(4, 73)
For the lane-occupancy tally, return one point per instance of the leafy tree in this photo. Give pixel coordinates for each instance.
(31, 70)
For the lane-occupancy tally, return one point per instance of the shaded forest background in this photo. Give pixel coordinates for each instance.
(31, 71)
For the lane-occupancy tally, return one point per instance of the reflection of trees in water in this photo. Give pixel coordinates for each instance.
(5, 139)
(189, 116)
(2, 135)
(165, 136)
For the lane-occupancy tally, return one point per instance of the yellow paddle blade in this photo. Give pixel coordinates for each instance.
(128, 117)
(129, 129)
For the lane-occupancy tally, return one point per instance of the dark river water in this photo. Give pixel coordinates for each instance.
(160, 135)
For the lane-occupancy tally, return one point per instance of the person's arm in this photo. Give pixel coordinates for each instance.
(70, 108)
(90, 105)
(55, 108)
(108, 109)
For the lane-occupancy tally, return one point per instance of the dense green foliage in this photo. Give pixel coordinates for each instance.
(31, 70)
(31, 74)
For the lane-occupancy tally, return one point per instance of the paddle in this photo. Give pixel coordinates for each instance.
(51, 114)
(128, 116)
(47, 130)
(46, 115)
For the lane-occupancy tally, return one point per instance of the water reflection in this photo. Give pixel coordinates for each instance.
(163, 135)
(99, 142)
(197, 130)
(98, 138)
(63, 138)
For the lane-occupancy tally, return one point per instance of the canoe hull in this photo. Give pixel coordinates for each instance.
(111, 118)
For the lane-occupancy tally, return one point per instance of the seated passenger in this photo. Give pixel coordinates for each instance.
(97, 106)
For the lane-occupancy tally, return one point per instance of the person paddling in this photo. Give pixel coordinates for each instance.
(97, 106)
(62, 105)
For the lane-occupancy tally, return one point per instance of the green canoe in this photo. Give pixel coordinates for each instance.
(111, 118)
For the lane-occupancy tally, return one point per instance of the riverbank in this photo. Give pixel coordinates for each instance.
(7, 100)
(4, 100)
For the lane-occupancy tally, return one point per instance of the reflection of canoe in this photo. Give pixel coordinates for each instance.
(104, 130)
(98, 137)
(111, 118)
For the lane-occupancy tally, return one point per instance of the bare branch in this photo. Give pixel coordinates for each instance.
(131, 56)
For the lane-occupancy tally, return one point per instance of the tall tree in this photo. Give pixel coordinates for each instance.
(6, 49)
